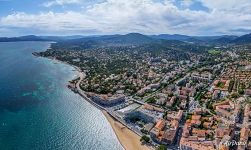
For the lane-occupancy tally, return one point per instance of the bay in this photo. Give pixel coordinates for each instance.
(38, 111)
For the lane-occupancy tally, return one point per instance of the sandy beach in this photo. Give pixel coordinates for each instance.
(128, 139)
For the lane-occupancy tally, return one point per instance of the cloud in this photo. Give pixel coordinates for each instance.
(47, 21)
(227, 5)
(186, 3)
(144, 16)
(60, 2)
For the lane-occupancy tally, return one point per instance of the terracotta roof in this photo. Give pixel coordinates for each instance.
(196, 117)
(160, 124)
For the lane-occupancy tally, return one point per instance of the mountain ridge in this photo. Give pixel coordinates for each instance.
(135, 38)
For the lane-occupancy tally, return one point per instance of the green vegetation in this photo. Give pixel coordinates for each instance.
(214, 52)
(231, 85)
(162, 147)
(189, 116)
(151, 100)
(201, 125)
(215, 123)
(206, 115)
(210, 136)
(220, 85)
(210, 106)
(144, 131)
(213, 112)
(199, 96)
(234, 95)
(145, 138)
(164, 115)
(241, 91)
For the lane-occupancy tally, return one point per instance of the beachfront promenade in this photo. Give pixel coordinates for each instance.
(82, 93)
(110, 112)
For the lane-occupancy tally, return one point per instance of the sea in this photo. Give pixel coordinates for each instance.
(39, 112)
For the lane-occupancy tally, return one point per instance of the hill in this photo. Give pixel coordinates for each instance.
(131, 39)
(171, 37)
(243, 39)
(22, 38)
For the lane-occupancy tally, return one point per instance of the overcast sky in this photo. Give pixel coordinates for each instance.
(91, 17)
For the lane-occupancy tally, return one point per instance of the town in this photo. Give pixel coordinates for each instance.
(191, 102)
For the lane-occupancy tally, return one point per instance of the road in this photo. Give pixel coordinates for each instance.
(109, 111)
(82, 93)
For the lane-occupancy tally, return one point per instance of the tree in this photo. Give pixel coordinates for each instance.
(144, 131)
(234, 95)
(162, 147)
(145, 138)
(189, 116)
(210, 106)
(241, 91)
(231, 85)
(165, 114)
(151, 100)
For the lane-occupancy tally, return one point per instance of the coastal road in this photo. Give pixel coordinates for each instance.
(81, 92)
(81, 77)
(112, 113)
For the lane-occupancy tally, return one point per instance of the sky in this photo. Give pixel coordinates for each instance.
(100, 17)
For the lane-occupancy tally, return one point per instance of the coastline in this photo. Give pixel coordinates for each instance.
(127, 138)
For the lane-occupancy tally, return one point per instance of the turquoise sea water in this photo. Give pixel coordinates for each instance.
(38, 111)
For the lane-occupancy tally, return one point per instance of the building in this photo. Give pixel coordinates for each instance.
(193, 144)
(105, 100)
(171, 101)
(164, 131)
(139, 114)
(203, 77)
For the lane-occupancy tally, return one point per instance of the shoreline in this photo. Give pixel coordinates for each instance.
(128, 139)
